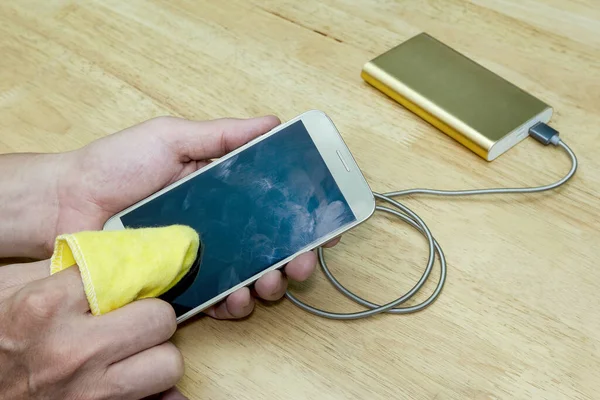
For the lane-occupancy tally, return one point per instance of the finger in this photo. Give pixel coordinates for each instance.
(64, 287)
(42, 300)
(16, 275)
(194, 140)
(130, 329)
(173, 394)
(332, 242)
(301, 267)
(202, 164)
(190, 167)
(149, 372)
(271, 286)
(239, 304)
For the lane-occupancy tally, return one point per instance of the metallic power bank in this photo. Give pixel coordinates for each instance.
(468, 102)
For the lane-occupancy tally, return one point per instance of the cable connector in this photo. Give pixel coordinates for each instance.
(544, 134)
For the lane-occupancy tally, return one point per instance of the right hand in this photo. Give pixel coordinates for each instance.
(51, 347)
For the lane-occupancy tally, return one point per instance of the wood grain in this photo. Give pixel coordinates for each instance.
(519, 316)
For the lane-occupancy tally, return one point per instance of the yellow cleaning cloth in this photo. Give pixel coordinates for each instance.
(118, 267)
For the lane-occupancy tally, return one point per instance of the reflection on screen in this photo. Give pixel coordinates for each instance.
(251, 211)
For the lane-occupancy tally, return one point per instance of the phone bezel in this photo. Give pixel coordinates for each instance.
(340, 163)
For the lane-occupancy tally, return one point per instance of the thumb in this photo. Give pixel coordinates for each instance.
(203, 140)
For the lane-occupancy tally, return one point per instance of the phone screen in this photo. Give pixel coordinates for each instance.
(251, 211)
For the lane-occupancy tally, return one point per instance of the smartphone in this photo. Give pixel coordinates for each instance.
(283, 194)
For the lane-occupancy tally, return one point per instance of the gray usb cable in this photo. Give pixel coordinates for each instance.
(540, 132)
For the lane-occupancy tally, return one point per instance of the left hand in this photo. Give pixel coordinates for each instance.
(112, 173)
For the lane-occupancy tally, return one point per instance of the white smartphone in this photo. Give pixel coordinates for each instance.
(283, 194)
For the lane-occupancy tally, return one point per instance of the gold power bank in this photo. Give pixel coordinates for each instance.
(468, 102)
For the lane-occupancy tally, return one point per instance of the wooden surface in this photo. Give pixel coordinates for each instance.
(519, 317)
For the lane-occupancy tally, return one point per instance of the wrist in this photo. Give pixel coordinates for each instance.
(29, 203)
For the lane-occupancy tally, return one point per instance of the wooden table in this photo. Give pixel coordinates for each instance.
(519, 317)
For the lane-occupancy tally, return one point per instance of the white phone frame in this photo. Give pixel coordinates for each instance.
(340, 163)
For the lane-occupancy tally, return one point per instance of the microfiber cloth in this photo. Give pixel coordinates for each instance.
(118, 267)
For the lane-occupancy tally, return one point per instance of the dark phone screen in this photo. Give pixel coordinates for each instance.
(251, 211)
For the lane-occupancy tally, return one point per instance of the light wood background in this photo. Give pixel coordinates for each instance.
(519, 317)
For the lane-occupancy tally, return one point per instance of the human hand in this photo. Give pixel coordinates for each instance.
(119, 170)
(51, 347)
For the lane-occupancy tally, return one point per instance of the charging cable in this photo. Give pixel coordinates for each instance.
(540, 132)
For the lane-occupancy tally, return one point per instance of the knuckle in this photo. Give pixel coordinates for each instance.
(66, 358)
(162, 318)
(41, 301)
(173, 363)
